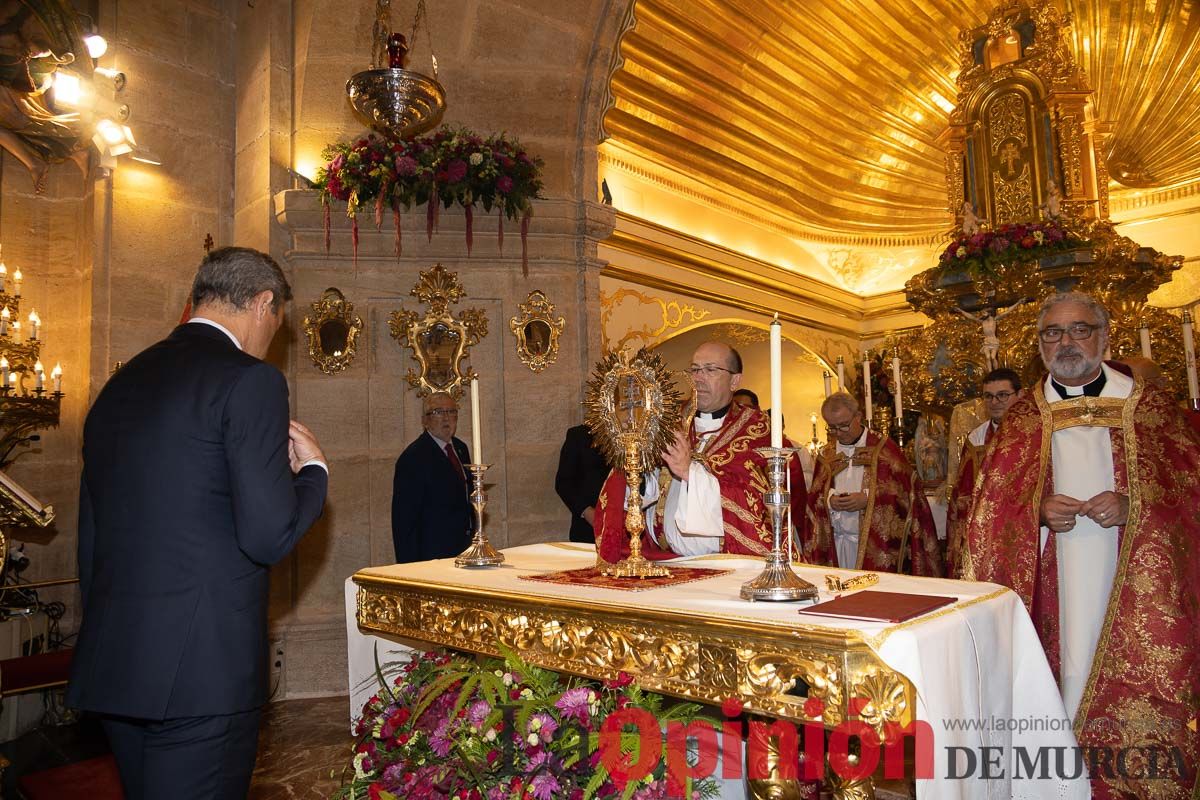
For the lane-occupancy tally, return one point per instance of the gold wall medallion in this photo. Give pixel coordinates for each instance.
(537, 331)
(332, 329)
(439, 340)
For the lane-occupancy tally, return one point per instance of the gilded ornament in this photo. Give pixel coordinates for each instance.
(537, 330)
(332, 329)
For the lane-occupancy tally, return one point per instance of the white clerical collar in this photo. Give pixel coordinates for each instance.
(850, 448)
(219, 327)
(709, 416)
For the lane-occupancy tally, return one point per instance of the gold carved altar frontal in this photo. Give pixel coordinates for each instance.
(594, 578)
(775, 671)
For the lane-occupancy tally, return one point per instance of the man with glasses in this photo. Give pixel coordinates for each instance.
(708, 498)
(867, 509)
(431, 516)
(1087, 509)
(1001, 388)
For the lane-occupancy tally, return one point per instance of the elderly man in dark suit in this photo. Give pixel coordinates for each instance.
(194, 482)
(431, 516)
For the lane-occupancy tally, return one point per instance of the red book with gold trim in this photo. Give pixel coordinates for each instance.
(875, 606)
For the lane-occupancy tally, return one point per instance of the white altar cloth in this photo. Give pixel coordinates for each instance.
(980, 674)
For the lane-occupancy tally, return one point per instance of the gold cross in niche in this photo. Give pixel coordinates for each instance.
(1010, 154)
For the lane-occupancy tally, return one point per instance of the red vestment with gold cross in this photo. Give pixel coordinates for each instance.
(896, 529)
(729, 456)
(1144, 686)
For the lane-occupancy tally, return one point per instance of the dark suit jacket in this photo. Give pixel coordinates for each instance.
(186, 497)
(581, 474)
(431, 516)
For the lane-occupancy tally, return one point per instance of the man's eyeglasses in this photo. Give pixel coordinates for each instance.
(1077, 331)
(843, 428)
(442, 412)
(708, 371)
(1001, 397)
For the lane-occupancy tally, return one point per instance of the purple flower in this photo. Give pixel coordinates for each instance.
(999, 244)
(497, 793)
(504, 184)
(406, 165)
(478, 712)
(439, 740)
(574, 703)
(456, 170)
(544, 786)
(543, 725)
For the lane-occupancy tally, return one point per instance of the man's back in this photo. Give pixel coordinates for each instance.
(186, 496)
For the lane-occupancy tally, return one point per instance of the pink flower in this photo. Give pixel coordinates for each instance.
(406, 165)
(574, 703)
(456, 170)
(543, 786)
(504, 184)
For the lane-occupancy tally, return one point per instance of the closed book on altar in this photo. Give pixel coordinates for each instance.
(876, 606)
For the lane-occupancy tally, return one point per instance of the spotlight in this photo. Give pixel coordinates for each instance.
(112, 138)
(118, 78)
(68, 89)
(96, 44)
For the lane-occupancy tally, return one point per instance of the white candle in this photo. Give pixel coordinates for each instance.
(476, 450)
(5, 316)
(3, 371)
(56, 374)
(776, 383)
(1144, 335)
(17, 283)
(1189, 354)
(825, 375)
(841, 369)
(867, 386)
(899, 400)
(3, 275)
(34, 321)
(39, 374)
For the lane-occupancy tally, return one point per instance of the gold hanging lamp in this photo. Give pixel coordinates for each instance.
(394, 101)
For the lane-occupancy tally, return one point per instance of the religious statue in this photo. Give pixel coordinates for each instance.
(970, 221)
(1052, 208)
(36, 38)
(987, 319)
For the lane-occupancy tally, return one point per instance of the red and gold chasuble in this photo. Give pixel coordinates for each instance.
(1143, 691)
(740, 472)
(895, 531)
(958, 506)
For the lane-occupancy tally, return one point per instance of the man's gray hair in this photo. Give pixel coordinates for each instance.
(236, 275)
(427, 401)
(1086, 300)
(840, 400)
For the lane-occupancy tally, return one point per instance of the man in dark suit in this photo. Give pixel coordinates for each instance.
(194, 482)
(431, 516)
(580, 477)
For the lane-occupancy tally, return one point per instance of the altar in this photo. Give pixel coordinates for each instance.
(973, 671)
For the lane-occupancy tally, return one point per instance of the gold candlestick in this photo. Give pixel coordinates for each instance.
(480, 553)
(777, 581)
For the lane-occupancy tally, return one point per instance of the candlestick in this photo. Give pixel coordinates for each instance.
(56, 374)
(39, 374)
(841, 371)
(1144, 335)
(476, 449)
(34, 322)
(776, 383)
(1189, 353)
(5, 316)
(3, 371)
(480, 553)
(898, 394)
(778, 581)
(825, 375)
(815, 443)
(867, 387)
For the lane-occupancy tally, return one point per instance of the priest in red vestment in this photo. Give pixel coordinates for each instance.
(1001, 388)
(1087, 509)
(709, 496)
(866, 507)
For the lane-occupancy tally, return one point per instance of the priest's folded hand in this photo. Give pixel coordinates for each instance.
(1059, 512)
(1108, 509)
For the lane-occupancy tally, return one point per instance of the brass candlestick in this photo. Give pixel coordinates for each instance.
(777, 581)
(480, 553)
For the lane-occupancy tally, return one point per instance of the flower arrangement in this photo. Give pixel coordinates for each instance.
(452, 727)
(453, 165)
(979, 253)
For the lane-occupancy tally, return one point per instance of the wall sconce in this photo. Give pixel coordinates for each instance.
(113, 139)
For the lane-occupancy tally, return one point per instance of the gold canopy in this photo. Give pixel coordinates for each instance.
(824, 114)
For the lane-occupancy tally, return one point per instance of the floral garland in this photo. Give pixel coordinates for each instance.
(453, 727)
(979, 253)
(450, 166)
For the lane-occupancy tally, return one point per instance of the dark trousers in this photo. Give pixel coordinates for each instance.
(192, 758)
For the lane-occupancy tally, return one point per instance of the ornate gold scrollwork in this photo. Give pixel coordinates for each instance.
(775, 675)
(537, 331)
(883, 699)
(332, 329)
(438, 340)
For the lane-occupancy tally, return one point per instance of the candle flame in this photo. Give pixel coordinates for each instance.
(6, 314)
(57, 371)
(37, 367)
(34, 319)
